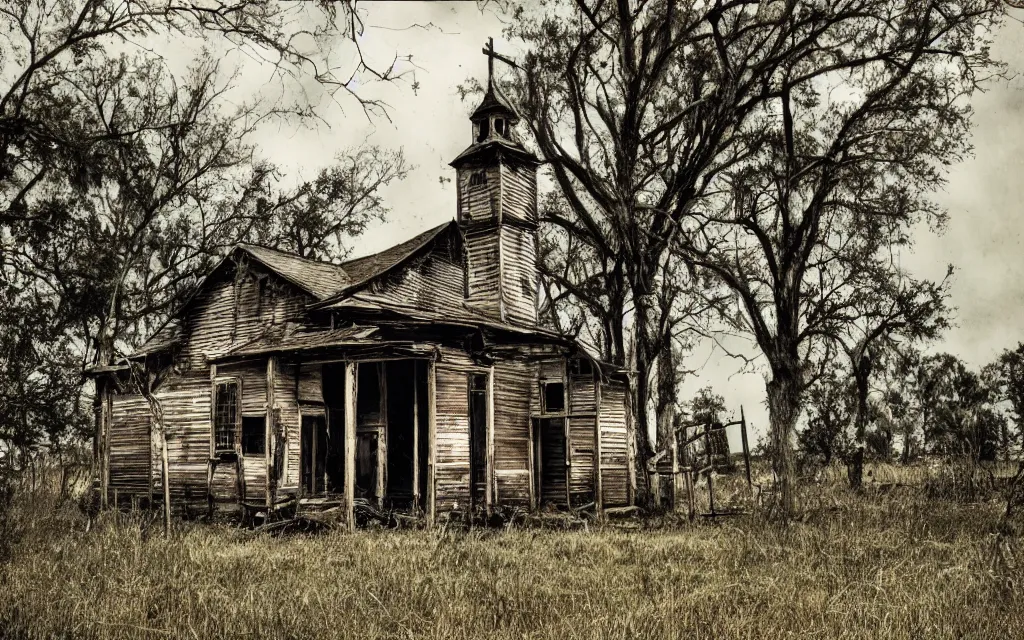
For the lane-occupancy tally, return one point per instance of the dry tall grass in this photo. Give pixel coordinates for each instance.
(896, 565)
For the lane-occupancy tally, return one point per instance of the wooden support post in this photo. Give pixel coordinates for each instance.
(268, 434)
(382, 438)
(568, 433)
(598, 481)
(631, 439)
(676, 475)
(711, 467)
(211, 462)
(746, 451)
(415, 438)
(431, 442)
(351, 388)
(655, 485)
(490, 490)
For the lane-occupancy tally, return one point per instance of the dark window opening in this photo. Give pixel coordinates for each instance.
(499, 126)
(581, 367)
(368, 395)
(553, 396)
(254, 435)
(478, 435)
(477, 178)
(485, 130)
(225, 416)
(528, 289)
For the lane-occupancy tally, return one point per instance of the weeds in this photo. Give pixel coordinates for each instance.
(878, 564)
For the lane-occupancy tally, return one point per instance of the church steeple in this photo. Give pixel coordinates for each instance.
(497, 210)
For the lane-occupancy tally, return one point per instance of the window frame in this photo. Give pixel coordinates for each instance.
(544, 408)
(236, 443)
(263, 435)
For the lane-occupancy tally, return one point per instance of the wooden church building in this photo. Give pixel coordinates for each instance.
(416, 379)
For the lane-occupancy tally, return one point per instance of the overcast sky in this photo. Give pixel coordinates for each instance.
(984, 195)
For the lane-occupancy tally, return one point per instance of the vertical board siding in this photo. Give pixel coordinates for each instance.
(130, 444)
(286, 401)
(614, 455)
(513, 383)
(519, 277)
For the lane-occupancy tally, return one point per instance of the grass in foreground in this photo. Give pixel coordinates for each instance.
(878, 567)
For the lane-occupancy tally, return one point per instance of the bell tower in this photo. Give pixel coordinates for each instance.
(496, 182)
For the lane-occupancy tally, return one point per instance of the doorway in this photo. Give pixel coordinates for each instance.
(314, 455)
(549, 455)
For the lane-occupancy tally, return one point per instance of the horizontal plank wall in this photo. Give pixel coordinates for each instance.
(451, 467)
(130, 448)
(185, 402)
(513, 387)
(582, 437)
(614, 449)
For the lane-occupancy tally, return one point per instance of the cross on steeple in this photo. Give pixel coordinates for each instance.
(491, 55)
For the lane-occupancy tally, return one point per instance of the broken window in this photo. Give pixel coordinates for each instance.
(254, 435)
(499, 126)
(581, 367)
(225, 416)
(485, 130)
(553, 397)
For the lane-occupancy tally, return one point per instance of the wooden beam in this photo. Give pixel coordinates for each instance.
(268, 433)
(351, 388)
(382, 439)
(431, 442)
(415, 439)
(490, 491)
(598, 481)
(210, 461)
(568, 433)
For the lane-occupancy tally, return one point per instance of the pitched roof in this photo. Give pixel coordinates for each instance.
(494, 101)
(326, 280)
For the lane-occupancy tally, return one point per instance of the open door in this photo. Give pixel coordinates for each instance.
(314, 455)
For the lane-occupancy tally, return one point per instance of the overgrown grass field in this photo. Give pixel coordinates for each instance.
(874, 565)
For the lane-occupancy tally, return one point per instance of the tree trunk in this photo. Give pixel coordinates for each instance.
(783, 409)
(667, 394)
(855, 464)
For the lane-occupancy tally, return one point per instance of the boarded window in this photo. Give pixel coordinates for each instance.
(225, 424)
(254, 436)
(553, 395)
(477, 178)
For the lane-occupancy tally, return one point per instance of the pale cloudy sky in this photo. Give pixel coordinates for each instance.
(984, 194)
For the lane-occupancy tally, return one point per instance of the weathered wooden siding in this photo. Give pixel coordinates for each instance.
(614, 449)
(479, 201)
(433, 283)
(130, 445)
(482, 255)
(582, 448)
(311, 383)
(513, 385)
(519, 275)
(236, 309)
(519, 193)
(582, 437)
(185, 404)
(451, 474)
(287, 389)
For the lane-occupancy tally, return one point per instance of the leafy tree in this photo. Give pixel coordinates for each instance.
(776, 145)
(1006, 378)
(826, 434)
(965, 423)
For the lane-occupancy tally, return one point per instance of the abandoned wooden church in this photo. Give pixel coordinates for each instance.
(416, 379)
